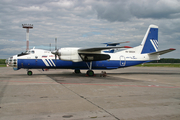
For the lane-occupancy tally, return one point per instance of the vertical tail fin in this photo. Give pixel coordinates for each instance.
(150, 41)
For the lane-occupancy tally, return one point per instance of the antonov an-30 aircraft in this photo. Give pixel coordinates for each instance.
(90, 58)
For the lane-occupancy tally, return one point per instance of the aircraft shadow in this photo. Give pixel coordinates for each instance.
(144, 73)
(82, 78)
(69, 77)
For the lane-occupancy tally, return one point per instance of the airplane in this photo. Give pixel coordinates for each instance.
(93, 58)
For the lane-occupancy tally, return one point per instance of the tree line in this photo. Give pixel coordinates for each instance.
(2, 61)
(167, 60)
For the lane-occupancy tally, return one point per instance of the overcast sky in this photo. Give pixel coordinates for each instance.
(87, 23)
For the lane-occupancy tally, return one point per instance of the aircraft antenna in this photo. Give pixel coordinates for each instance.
(27, 26)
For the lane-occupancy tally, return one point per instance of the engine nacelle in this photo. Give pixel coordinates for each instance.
(69, 54)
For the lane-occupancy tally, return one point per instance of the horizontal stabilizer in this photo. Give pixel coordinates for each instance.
(94, 49)
(162, 52)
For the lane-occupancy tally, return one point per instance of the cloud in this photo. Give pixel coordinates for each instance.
(113, 10)
(156, 9)
(126, 10)
(85, 23)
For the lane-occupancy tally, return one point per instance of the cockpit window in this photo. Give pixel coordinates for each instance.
(22, 54)
(27, 53)
(32, 52)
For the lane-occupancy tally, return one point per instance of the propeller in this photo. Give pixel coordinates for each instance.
(55, 43)
(56, 51)
(50, 47)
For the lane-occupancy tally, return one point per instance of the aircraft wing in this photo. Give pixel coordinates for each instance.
(96, 49)
(94, 54)
(162, 52)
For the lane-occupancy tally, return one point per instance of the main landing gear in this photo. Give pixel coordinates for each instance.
(29, 72)
(90, 72)
(77, 71)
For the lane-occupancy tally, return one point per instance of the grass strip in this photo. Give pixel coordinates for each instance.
(159, 65)
(3, 65)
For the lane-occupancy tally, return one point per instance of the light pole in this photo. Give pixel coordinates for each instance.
(27, 26)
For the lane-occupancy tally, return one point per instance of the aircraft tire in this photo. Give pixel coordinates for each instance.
(29, 73)
(77, 71)
(90, 73)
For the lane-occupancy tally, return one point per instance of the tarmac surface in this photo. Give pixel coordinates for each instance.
(134, 93)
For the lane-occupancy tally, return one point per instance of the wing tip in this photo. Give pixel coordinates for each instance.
(172, 49)
(127, 47)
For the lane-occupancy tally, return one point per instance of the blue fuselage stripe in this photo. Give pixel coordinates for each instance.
(38, 63)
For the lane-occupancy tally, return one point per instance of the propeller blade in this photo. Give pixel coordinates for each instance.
(56, 51)
(55, 58)
(55, 43)
(50, 47)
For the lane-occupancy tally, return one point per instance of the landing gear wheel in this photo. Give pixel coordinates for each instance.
(90, 73)
(77, 71)
(29, 73)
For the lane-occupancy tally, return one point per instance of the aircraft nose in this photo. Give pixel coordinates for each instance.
(12, 62)
(8, 61)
